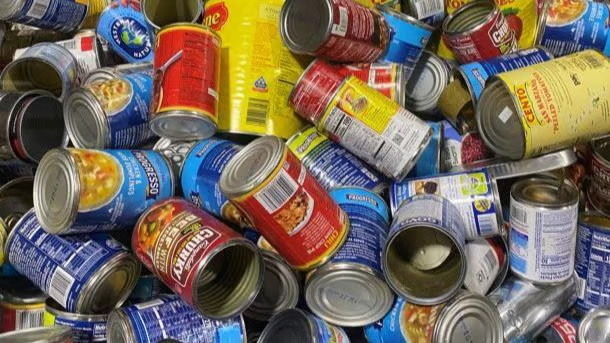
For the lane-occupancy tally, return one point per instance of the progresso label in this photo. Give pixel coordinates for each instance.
(56, 15)
(592, 267)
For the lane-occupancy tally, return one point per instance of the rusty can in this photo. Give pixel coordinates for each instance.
(209, 265)
(338, 30)
(160, 13)
(285, 203)
(478, 31)
(599, 189)
(387, 78)
(186, 80)
(21, 304)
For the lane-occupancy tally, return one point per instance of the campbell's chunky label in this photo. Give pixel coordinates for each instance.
(296, 215)
(561, 102)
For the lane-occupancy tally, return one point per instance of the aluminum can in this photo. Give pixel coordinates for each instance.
(116, 72)
(169, 316)
(562, 330)
(85, 274)
(424, 258)
(160, 13)
(175, 151)
(542, 237)
(332, 165)
(346, 31)
(110, 114)
(474, 194)
(598, 193)
(304, 328)
(488, 264)
(123, 27)
(86, 328)
(594, 327)
(268, 183)
(431, 12)
(21, 304)
(526, 310)
(56, 334)
(186, 81)
(387, 78)
(78, 190)
(556, 110)
(56, 15)
(350, 290)
(229, 273)
(478, 31)
(423, 89)
(461, 151)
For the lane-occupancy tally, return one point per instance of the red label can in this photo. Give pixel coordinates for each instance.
(386, 78)
(478, 31)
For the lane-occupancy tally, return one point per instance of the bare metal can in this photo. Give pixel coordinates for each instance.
(55, 334)
(595, 326)
(298, 326)
(423, 89)
(160, 13)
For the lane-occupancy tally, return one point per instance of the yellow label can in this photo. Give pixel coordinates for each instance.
(522, 17)
(393, 4)
(94, 9)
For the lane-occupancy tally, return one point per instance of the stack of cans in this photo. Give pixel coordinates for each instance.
(317, 171)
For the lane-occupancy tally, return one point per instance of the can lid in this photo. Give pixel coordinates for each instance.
(512, 169)
(293, 326)
(305, 24)
(348, 294)
(86, 120)
(469, 315)
(56, 191)
(118, 328)
(595, 326)
(183, 125)
(252, 166)
(52, 334)
(545, 192)
(426, 84)
(20, 291)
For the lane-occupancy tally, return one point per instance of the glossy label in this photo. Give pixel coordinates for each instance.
(83, 331)
(460, 151)
(56, 15)
(59, 266)
(407, 42)
(560, 331)
(20, 317)
(386, 78)
(592, 267)
(327, 333)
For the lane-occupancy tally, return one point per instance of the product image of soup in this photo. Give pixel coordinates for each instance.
(417, 322)
(113, 94)
(563, 12)
(152, 225)
(100, 176)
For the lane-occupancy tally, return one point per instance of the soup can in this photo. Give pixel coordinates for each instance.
(594, 326)
(229, 273)
(298, 326)
(116, 72)
(424, 260)
(86, 328)
(78, 190)
(31, 123)
(92, 274)
(56, 15)
(519, 121)
(200, 174)
(123, 27)
(423, 89)
(350, 290)
(176, 152)
(387, 78)
(598, 193)
(431, 12)
(44, 66)
(488, 264)
(592, 261)
(160, 13)
(56, 334)
(331, 164)
(110, 114)
(571, 26)
(281, 289)
(473, 193)
(345, 31)
(543, 208)
(187, 76)
(21, 304)
(285, 203)
(478, 31)
(169, 316)
(147, 288)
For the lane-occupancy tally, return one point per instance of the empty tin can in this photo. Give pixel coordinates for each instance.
(298, 326)
(85, 274)
(161, 13)
(543, 221)
(423, 89)
(338, 30)
(268, 183)
(478, 31)
(488, 264)
(78, 190)
(116, 72)
(595, 326)
(350, 290)
(86, 328)
(110, 114)
(169, 316)
(186, 81)
(331, 164)
(387, 78)
(424, 258)
(57, 15)
(21, 304)
(598, 193)
(55, 334)
(228, 274)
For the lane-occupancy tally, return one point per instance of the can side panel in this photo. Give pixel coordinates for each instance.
(125, 30)
(329, 333)
(84, 331)
(56, 15)
(16, 318)
(592, 268)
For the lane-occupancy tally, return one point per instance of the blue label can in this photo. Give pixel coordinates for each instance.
(78, 190)
(127, 33)
(430, 161)
(575, 26)
(476, 74)
(171, 317)
(86, 328)
(70, 269)
(304, 327)
(56, 15)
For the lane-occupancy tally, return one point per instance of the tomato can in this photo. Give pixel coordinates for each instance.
(345, 31)
(594, 326)
(285, 203)
(488, 264)
(86, 328)
(92, 274)
(77, 190)
(478, 31)
(56, 15)
(56, 334)
(169, 316)
(229, 273)
(116, 72)
(160, 13)
(303, 328)
(423, 89)
(598, 193)
(21, 304)
(545, 107)
(387, 78)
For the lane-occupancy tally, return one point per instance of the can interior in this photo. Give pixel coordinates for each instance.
(305, 24)
(290, 326)
(31, 75)
(229, 281)
(109, 291)
(41, 126)
(469, 19)
(163, 12)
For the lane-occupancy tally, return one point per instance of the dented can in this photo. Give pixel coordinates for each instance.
(463, 151)
(86, 328)
(21, 304)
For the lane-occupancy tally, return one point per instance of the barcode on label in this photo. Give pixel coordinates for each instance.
(341, 29)
(489, 261)
(519, 214)
(487, 223)
(38, 9)
(61, 283)
(582, 287)
(277, 192)
(257, 112)
(428, 8)
(594, 61)
(28, 319)
(69, 44)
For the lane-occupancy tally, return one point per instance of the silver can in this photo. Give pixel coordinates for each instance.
(86, 328)
(427, 82)
(298, 326)
(160, 13)
(109, 73)
(424, 260)
(54, 334)
(595, 326)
